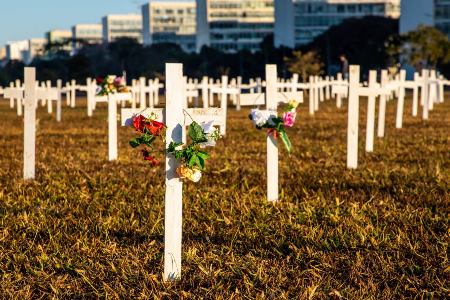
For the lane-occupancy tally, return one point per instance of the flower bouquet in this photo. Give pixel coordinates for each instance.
(191, 157)
(111, 84)
(276, 126)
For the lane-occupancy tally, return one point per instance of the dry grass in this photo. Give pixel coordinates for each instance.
(88, 228)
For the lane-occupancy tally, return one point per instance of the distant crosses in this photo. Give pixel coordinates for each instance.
(372, 93)
(424, 94)
(401, 100)
(355, 91)
(382, 104)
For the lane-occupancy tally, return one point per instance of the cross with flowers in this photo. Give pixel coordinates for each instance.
(276, 126)
(182, 161)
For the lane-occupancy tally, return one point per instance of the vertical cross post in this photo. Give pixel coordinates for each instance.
(353, 118)
(401, 100)
(272, 144)
(59, 100)
(415, 102)
(382, 105)
(29, 124)
(174, 186)
(112, 128)
(370, 126)
(424, 94)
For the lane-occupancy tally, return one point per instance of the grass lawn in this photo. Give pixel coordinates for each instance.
(88, 228)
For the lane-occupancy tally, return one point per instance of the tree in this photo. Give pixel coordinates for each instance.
(361, 40)
(305, 64)
(426, 47)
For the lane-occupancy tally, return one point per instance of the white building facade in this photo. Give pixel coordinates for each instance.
(36, 47)
(63, 37)
(170, 22)
(17, 50)
(233, 25)
(298, 22)
(122, 26)
(86, 34)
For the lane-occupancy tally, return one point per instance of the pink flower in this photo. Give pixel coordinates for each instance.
(289, 118)
(119, 81)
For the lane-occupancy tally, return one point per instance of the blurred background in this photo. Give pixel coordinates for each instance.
(76, 39)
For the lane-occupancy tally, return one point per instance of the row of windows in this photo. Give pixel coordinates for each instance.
(234, 14)
(178, 20)
(239, 36)
(178, 11)
(314, 8)
(327, 21)
(442, 12)
(241, 5)
(126, 22)
(241, 26)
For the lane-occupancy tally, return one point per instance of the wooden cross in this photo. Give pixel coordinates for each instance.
(355, 91)
(14, 93)
(382, 105)
(30, 96)
(176, 122)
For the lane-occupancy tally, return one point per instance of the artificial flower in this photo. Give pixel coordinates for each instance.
(289, 118)
(192, 174)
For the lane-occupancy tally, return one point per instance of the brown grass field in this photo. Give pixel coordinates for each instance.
(89, 228)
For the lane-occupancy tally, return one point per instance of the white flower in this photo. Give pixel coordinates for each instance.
(110, 79)
(208, 127)
(179, 148)
(261, 117)
(196, 176)
(212, 134)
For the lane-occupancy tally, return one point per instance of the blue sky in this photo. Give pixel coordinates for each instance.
(24, 19)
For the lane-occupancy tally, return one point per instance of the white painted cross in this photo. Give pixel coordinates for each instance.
(356, 91)
(176, 123)
(29, 96)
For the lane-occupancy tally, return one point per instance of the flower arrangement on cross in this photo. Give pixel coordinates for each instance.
(111, 84)
(191, 157)
(276, 126)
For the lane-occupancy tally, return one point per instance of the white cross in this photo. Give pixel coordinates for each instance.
(176, 123)
(355, 91)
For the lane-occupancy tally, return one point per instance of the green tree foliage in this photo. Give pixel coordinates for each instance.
(361, 40)
(305, 64)
(426, 47)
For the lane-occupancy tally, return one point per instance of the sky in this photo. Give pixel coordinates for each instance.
(24, 19)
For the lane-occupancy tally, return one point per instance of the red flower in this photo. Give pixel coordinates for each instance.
(99, 80)
(139, 123)
(272, 131)
(155, 128)
(150, 158)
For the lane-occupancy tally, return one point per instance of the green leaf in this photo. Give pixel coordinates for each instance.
(202, 154)
(194, 161)
(286, 141)
(134, 143)
(196, 133)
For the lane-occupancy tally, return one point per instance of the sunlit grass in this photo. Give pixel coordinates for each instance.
(90, 228)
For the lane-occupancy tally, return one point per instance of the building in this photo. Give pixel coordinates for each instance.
(36, 48)
(83, 34)
(17, 50)
(298, 22)
(232, 25)
(60, 40)
(431, 13)
(170, 22)
(2, 53)
(122, 26)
